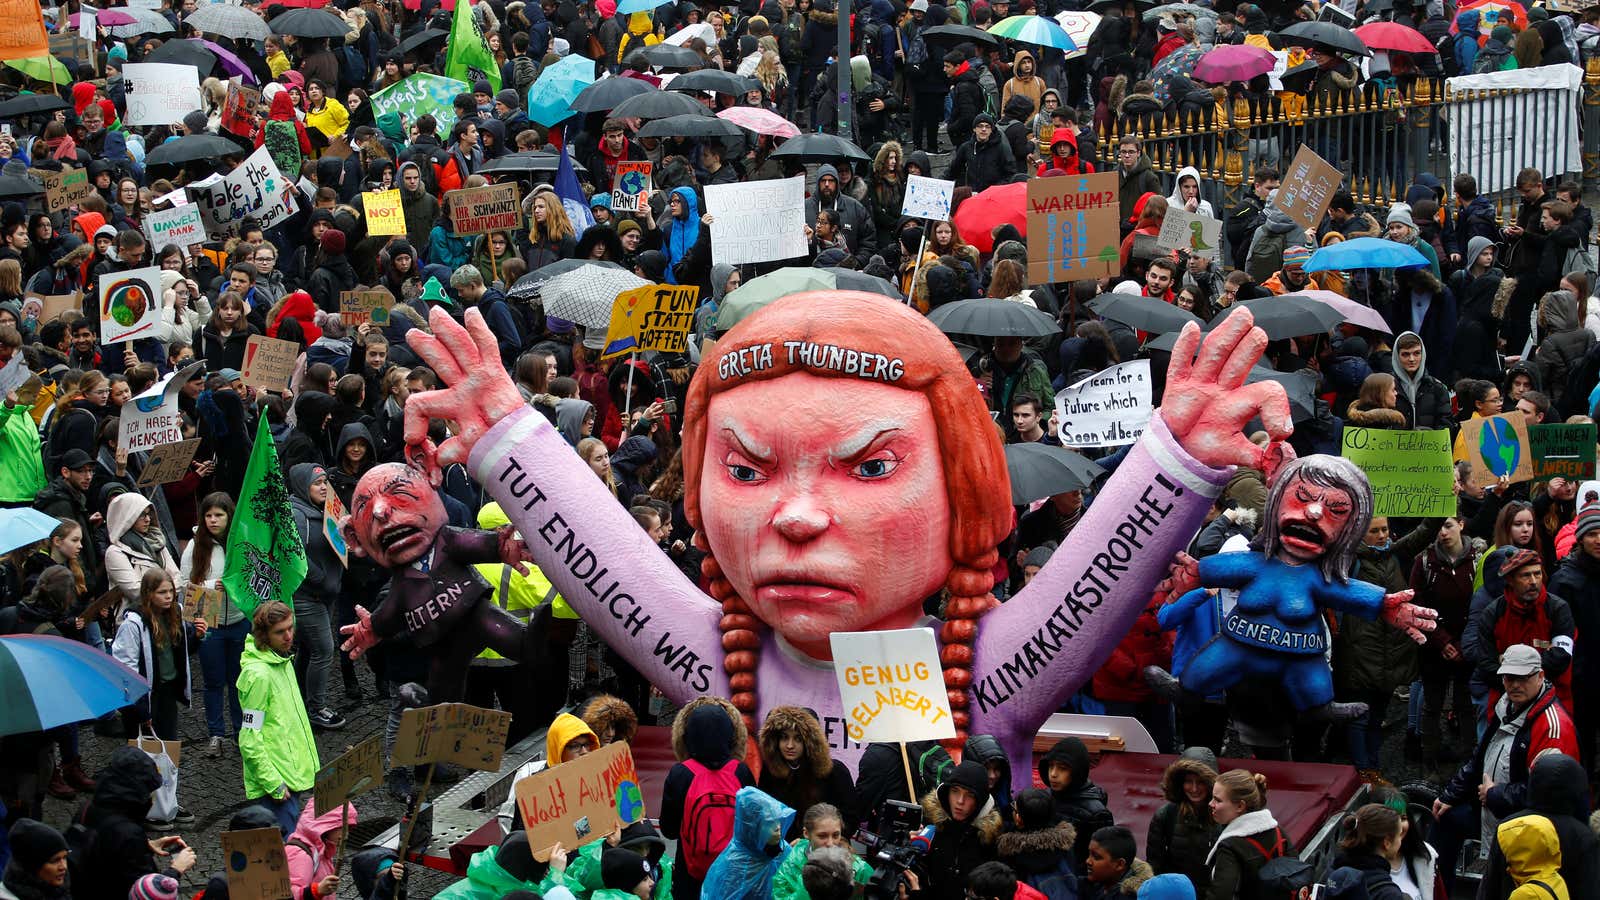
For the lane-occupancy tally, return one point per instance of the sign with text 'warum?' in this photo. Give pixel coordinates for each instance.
(1072, 228)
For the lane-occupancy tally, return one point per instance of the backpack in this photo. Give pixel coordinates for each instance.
(1580, 259)
(1284, 876)
(991, 93)
(524, 72)
(352, 68)
(707, 815)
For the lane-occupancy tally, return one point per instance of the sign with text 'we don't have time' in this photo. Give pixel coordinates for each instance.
(1072, 228)
(891, 685)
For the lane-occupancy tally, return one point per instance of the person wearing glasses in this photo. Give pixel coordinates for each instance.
(270, 287)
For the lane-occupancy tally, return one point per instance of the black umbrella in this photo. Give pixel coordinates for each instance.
(993, 318)
(1142, 313)
(1301, 387)
(185, 53)
(717, 80)
(528, 286)
(1327, 34)
(819, 148)
(671, 56)
(950, 35)
(191, 148)
(31, 104)
(19, 187)
(658, 105)
(691, 126)
(1041, 470)
(309, 23)
(1286, 317)
(422, 38)
(608, 92)
(527, 162)
(1166, 341)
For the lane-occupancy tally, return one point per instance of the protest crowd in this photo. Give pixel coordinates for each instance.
(229, 231)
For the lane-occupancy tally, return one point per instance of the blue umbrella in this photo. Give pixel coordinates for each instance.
(49, 681)
(633, 6)
(1035, 30)
(1366, 253)
(23, 526)
(550, 98)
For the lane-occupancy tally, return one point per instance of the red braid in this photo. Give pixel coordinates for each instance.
(970, 597)
(741, 638)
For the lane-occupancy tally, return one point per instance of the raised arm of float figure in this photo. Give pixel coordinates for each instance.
(1033, 652)
(589, 547)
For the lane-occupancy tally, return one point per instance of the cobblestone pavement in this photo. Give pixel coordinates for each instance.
(213, 789)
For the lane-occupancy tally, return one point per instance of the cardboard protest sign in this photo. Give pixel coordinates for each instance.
(168, 463)
(152, 419)
(75, 187)
(370, 305)
(653, 317)
(149, 743)
(1497, 447)
(580, 801)
(256, 189)
(455, 733)
(1562, 451)
(180, 225)
(356, 771)
(159, 93)
(927, 198)
(24, 35)
(891, 685)
(1308, 187)
(255, 866)
(1110, 408)
(1191, 233)
(51, 307)
(631, 188)
(384, 213)
(55, 198)
(497, 207)
(203, 603)
(1072, 228)
(332, 514)
(130, 304)
(239, 109)
(1411, 472)
(758, 221)
(269, 362)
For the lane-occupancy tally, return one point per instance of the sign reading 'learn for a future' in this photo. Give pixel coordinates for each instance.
(1110, 408)
(891, 685)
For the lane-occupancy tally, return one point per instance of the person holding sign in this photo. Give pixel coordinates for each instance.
(314, 847)
(202, 565)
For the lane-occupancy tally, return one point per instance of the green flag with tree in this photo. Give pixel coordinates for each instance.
(266, 560)
(467, 55)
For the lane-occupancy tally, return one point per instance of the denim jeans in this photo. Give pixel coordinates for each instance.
(1365, 735)
(1414, 708)
(313, 636)
(219, 660)
(286, 811)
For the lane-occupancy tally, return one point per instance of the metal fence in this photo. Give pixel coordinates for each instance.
(1380, 137)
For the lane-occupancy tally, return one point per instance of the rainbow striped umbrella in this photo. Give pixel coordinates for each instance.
(1040, 30)
(49, 681)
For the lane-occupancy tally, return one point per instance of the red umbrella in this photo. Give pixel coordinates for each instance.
(1394, 36)
(1002, 204)
(1234, 62)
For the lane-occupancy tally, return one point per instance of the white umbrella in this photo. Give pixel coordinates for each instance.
(146, 21)
(1080, 26)
(584, 295)
(687, 33)
(235, 22)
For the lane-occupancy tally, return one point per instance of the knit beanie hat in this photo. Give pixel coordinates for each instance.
(627, 225)
(1523, 558)
(1296, 255)
(954, 58)
(1503, 34)
(154, 887)
(622, 869)
(1401, 213)
(1588, 520)
(34, 843)
(333, 241)
(509, 98)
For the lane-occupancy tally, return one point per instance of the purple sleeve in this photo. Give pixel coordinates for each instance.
(1033, 652)
(599, 559)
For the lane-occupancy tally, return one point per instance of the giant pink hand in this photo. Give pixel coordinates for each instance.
(1416, 621)
(1207, 402)
(359, 637)
(477, 395)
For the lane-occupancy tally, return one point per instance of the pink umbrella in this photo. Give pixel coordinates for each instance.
(759, 120)
(1233, 62)
(106, 17)
(230, 61)
(1353, 312)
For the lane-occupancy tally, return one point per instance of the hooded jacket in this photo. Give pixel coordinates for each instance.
(1557, 790)
(564, 730)
(986, 749)
(487, 880)
(133, 648)
(117, 852)
(1083, 803)
(1566, 341)
(1135, 183)
(1270, 240)
(126, 562)
(818, 779)
(309, 856)
(1533, 858)
(324, 572)
(275, 741)
(982, 164)
(1480, 302)
(1424, 399)
(708, 730)
(958, 847)
(679, 237)
(1175, 199)
(855, 223)
(1042, 859)
(420, 207)
(966, 103)
(570, 413)
(1466, 47)
(745, 868)
(1029, 85)
(1179, 837)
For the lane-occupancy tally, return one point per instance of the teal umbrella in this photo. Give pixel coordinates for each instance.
(550, 98)
(759, 291)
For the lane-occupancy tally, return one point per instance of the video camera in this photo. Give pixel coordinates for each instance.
(893, 840)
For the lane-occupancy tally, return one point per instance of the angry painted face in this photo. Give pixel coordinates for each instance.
(1310, 519)
(394, 515)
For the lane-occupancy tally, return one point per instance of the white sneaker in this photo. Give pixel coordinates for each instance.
(214, 746)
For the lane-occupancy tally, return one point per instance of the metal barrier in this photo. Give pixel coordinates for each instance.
(1381, 137)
